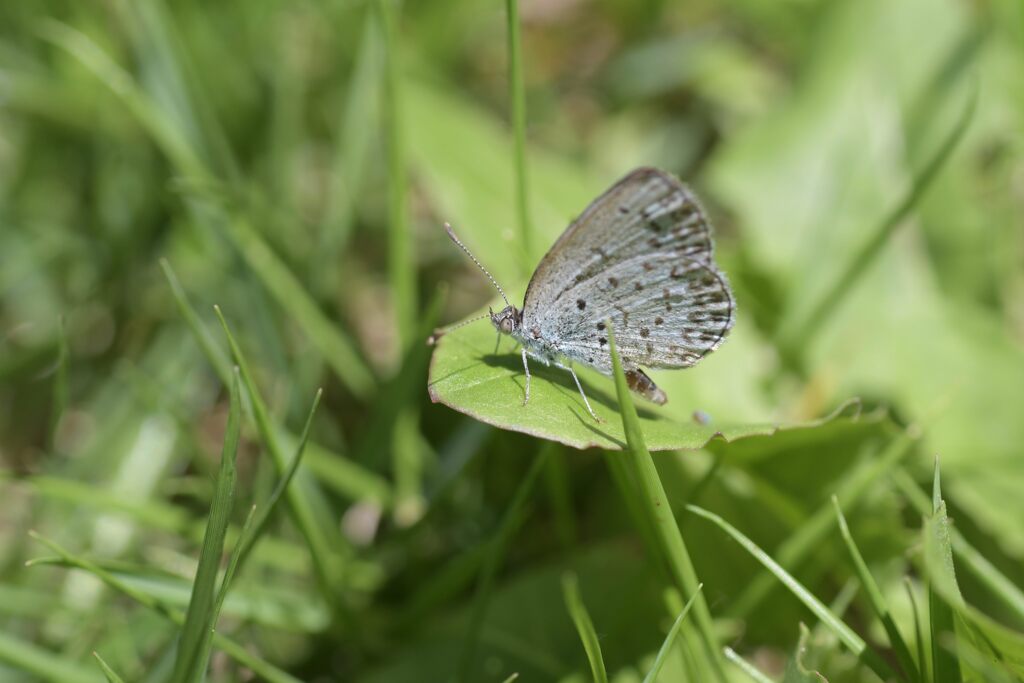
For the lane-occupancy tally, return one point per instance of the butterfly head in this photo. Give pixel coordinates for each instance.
(507, 320)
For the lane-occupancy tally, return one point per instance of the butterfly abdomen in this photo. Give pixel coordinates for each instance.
(640, 383)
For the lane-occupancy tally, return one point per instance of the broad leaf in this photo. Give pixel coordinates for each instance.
(468, 375)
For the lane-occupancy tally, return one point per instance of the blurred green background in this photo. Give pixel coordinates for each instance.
(863, 161)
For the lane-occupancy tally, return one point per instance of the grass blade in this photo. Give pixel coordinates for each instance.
(846, 635)
(214, 355)
(659, 512)
(337, 349)
(991, 670)
(1008, 593)
(169, 138)
(918, 633)
(237, 652)
(352, 150)
(342, 475)
(666, 646)
(401, 265)
(517, 98)
(111, 675)
(584, 626)
(877, 600)
(199, 617)
(246, 542)
(166, 61)
(939, 562)
(255, 523)
(206, 647)
(803, 542)
(746, 667)
(320, 533)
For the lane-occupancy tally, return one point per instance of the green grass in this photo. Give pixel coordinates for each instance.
(191, 659)
(226, 452)
(585, 627)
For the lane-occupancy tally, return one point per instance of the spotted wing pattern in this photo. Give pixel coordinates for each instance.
(640, 255)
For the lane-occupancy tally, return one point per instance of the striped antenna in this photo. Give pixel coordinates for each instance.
(441, 331)
(451, 233)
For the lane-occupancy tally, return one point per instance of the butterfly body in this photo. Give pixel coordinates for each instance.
(510, 321)
(640, 258)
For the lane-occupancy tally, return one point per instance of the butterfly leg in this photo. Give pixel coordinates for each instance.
(580, 387)
(526, 367)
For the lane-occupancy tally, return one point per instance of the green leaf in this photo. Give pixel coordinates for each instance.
(468, 376)
(670, 639)
(200, 616)
(584, 626)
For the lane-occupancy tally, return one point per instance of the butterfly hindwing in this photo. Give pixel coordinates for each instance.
(641, 255)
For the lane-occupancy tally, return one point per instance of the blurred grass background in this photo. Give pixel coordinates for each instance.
(293, 163)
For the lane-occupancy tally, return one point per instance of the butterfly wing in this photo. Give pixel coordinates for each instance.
(641, 255)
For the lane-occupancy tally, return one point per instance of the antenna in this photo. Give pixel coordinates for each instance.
(441, 331)
(451, 233)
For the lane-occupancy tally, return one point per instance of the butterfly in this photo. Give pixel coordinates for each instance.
(641, 257)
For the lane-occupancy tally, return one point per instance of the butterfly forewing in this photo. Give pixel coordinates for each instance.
(641, 255)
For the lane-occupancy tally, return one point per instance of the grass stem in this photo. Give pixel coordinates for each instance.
(401, 266)
(654, 501)
(517, 99)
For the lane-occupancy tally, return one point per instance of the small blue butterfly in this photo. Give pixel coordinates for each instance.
(641, 256)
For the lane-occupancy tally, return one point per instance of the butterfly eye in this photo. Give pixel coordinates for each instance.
(506, 326)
